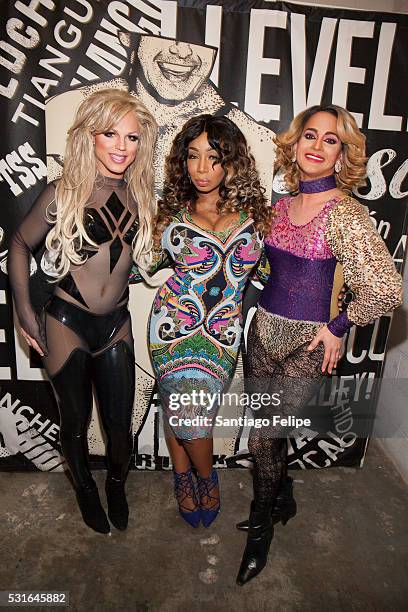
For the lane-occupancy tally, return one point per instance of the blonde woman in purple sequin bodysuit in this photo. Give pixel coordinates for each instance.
(293, 339)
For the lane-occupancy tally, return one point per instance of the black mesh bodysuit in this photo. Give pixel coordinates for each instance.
(86, 328)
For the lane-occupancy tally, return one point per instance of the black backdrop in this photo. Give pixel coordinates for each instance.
(273, 61)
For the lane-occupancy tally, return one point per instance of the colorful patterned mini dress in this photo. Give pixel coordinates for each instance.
(196, 322)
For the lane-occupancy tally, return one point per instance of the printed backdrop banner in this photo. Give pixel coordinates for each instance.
(259, 63)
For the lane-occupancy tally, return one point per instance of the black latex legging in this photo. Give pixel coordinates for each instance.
(297, 378)
(111, 371)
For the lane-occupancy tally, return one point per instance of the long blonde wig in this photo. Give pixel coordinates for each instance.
(99, 113)
(353, 157)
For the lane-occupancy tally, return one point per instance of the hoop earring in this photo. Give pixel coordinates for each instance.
(338, 166)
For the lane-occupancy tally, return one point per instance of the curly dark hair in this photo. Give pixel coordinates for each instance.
(240, 190)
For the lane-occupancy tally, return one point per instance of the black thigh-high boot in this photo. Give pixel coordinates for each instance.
(73, 390)
(114, 377)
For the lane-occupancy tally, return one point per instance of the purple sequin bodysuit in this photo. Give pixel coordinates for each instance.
(302, 267)
(298, 292)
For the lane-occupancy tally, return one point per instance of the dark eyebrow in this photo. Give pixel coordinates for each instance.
(325, 134)
(128, 133)
(209, 149)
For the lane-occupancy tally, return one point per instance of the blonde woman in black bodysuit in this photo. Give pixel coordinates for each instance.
(96, 220)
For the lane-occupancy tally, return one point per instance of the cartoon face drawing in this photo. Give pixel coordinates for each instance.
(174, 70)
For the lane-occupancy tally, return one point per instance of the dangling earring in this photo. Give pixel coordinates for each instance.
(338, 166)
(293, 160)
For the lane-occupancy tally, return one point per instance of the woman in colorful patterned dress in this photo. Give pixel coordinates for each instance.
(211, 220)
(293, 340)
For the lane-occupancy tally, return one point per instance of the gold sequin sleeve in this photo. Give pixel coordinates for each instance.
(367, 264)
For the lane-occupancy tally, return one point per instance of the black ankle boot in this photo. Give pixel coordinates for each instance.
(285, 504)
(91, 509)
(118, 509)
(284, 507)
(260, 534)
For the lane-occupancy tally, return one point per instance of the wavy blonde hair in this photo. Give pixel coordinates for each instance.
(97, 114)
(240, 188)
(354, 159)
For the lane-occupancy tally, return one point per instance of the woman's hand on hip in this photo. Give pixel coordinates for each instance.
(332, 348)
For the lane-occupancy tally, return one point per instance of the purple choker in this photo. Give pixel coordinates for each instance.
(318, 185)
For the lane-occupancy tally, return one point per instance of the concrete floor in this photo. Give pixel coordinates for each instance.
(347, 549)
